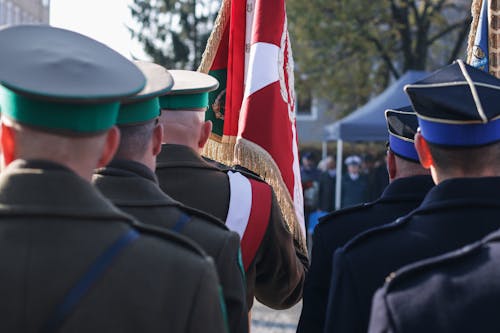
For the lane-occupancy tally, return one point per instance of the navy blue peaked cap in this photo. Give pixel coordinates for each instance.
(457, 105)
(402, 124)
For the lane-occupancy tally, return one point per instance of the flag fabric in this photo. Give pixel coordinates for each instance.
(480, 50)
(253, 110)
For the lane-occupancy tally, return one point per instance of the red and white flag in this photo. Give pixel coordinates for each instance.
(253, 110)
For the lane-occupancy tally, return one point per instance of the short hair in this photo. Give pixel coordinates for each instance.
(467, 159)
(134, 139)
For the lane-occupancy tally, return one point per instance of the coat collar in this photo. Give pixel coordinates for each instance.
(43, 187)
(128, 183)
(181, 156)
(407, 188)
(481, 191)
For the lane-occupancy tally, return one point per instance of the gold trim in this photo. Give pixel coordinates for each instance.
(220, 149)
(402, 138)
(475, 96)
(253, 157)
(215, 38)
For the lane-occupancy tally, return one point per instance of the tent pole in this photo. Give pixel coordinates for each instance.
(338, 178)
(324, 150)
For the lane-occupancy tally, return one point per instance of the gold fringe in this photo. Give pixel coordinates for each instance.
(475, 10)
(253, 157)
(215, 37)
(220, 149)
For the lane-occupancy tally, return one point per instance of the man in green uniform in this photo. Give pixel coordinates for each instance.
(72, 262)
(130, 183)
(275, 268)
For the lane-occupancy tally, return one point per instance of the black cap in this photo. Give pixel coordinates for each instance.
(402, 124)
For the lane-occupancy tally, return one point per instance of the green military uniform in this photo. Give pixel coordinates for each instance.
(133, 187)
(72, 261)
(276, 274)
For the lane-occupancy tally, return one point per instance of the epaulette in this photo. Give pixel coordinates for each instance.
(200, 214)
(217, 164)
(167, 235)
(375, 232)
(247, 173)
(420, 267)
(343, 211)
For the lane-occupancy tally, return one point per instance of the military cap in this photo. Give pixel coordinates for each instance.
(145, 105)
(402, 124)
(61, 81)
(190, 91)
(457, 106)
(353, 159)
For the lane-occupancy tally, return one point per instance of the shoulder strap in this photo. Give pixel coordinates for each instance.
(82, 287)
(248, 214)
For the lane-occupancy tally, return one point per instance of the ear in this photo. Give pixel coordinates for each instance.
(110, 146)
(206, 129)
(8, 143)
(391, 165)
(157, 139)
(424, 153)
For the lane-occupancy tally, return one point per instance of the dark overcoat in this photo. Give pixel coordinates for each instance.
(454, 213)
(276, 275)
(336, 229)
(133, 188)
(67, 266)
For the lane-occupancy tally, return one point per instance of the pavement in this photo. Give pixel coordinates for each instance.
(266, 320)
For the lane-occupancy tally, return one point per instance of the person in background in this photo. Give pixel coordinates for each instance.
(458, 142)
(409, 182)
(354, 183)
(327, 185)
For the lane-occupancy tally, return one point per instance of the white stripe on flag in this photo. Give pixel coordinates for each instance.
(240, 203)
(262, 67)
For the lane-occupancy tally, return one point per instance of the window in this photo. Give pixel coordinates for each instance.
(307, 108)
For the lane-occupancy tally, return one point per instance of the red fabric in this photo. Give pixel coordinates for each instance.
(236, 67)
(268, 21)
(264, 120)
(257, 222)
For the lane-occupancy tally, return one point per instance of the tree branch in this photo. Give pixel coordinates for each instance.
(460, 39)
(466, 21)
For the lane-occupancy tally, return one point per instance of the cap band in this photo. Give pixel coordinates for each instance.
(404, 148)
(460, 134)
(184, 101)
(138, 112)
(82, 118)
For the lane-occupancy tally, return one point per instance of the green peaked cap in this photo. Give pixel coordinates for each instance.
(145, 105)
(190, 91)
(59, 80)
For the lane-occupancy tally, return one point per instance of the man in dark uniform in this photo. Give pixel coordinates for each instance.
(275, 271)
(130, 183)
(409, 182)
(455, 108)
(72, 262)
(456, 292)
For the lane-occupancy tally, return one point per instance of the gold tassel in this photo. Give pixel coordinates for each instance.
(220, 149)
(253, 157)
(475, 10)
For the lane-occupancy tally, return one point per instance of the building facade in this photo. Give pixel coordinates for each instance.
(14, 12)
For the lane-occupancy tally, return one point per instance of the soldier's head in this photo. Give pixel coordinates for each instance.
(183, 109)
(138, 118)
(459, 122)
(402, 158)
(60, 94)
